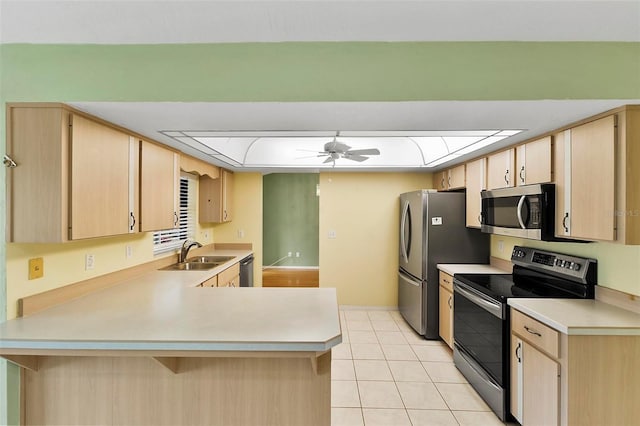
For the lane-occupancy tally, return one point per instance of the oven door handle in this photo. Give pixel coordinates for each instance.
(519, 212)
(494, 309)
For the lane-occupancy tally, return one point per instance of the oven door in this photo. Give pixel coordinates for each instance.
(481, 329)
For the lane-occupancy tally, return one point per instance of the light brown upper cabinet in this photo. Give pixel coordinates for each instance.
(476, 182)
(159, 187)
(533, 162)
(500, 169)
(597, 174)
(74, 178)
(453, 178)
(216, 198)
(585, 180)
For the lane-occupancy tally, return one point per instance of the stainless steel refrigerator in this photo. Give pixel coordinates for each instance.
(432, 231)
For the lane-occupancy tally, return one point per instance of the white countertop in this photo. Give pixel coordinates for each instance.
(165, 310)
(579, 316)
(461, 268)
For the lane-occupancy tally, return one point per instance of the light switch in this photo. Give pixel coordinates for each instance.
(36, 268)
(332, 234)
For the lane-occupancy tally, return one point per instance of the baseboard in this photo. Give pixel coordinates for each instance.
(367, 308)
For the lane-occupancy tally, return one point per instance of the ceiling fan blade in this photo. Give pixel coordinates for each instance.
(328, 160)
(358, 158)
(310, 156)
(371, 151)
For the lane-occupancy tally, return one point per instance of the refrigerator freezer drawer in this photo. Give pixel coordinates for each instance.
(410, 301)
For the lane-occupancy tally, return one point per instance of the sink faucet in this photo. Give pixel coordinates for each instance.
(186, 246)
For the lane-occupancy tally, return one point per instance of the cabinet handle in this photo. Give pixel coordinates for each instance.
(449, 181)
(442, 183)
(175, 220)
(564, 222)
(521, 172)
(133, 221)
(518, 356)
(532, 331)
(506, 177)
(8, 162)
(450, 305)
(225, 215)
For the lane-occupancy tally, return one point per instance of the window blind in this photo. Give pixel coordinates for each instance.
(172, 239)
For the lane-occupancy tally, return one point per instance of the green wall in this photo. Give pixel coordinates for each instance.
(290, 218)
(323, 71)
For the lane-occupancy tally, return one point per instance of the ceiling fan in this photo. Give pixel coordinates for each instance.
(335, 150)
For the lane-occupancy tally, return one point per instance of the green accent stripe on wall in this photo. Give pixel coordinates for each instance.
(321, 71)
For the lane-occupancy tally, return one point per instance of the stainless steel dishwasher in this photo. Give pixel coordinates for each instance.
(246, 272)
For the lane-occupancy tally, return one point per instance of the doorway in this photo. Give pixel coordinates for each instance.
(290, 230)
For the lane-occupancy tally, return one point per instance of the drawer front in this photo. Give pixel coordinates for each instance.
(534, 332)
(228, 274)
(446, 281)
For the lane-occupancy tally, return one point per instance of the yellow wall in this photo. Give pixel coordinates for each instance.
(363, 209)
(65, 263)
(618, 265)
(247, 217)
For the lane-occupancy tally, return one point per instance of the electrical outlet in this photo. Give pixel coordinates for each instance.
(36, 268)
(128, 251)
(500, 246)
(289, 254)
(332, 234)
(240, 233)
(89, 262)
(297, 254)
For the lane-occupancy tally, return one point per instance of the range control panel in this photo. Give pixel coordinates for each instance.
(564, 265)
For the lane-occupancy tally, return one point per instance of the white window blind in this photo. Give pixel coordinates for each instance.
(171, 239)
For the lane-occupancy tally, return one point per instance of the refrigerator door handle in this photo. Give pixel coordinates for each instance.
(403, 243)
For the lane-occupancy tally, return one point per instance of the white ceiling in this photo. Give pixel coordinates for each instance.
(124, 22)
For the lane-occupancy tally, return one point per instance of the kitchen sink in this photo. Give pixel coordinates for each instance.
(190, 266)
(216, 260)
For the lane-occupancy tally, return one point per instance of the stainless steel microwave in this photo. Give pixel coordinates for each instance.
(524, 211)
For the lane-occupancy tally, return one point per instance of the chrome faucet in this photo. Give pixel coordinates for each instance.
(186, 246)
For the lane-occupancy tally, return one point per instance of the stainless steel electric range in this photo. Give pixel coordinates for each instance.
(481, 314)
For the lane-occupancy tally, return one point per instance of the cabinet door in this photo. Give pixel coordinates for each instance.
(516, 378)
(585, 181)
(216, 198)
(456, 177)
(476, 182)
(446, 316)
(440, 180)
(500, 170)
(104, 168)
(227, 195)
(533, 162)
(541, 388)
(159, 183)
(37, 190)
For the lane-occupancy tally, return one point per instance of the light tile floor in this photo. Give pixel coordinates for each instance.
(383, 373)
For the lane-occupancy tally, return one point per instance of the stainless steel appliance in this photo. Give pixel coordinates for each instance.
(246, 271)
(525, 211)
(481, 325)
(432, 231)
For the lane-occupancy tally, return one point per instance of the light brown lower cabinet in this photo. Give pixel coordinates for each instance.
(446, 308)
(560, 379)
